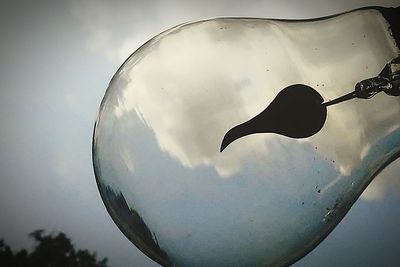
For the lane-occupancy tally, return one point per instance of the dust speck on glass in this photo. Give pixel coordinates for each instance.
(244, 142)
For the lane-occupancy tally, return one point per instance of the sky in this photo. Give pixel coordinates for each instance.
(57, 59)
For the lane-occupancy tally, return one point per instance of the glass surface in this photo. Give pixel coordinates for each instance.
(267, 199)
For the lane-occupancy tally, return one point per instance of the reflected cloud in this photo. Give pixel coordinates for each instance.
(185, 84)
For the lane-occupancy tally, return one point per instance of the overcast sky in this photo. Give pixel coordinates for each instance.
(56, 60)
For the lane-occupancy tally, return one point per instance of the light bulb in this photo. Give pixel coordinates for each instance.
(270, 197)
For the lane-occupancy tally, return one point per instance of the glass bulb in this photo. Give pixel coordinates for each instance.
(267, 199)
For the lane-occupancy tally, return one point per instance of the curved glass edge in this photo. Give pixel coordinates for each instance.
(391, 147)
(117, 207)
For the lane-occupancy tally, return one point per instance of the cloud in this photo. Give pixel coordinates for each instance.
(187, 83)
(115, 29)
(387, 180)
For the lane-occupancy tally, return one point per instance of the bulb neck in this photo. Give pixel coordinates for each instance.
(392, 16)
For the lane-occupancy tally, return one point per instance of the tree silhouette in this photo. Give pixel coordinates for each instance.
(49, 251)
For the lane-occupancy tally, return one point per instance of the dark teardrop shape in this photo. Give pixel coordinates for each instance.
(296, 112)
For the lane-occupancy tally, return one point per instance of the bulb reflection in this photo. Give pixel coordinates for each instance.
(267, 199)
